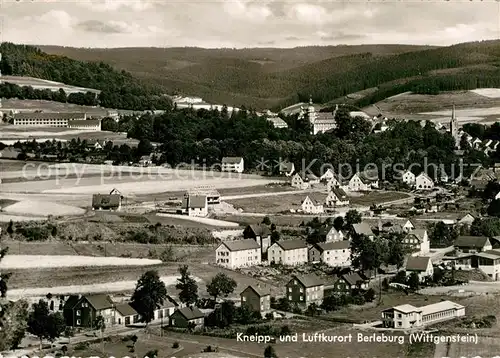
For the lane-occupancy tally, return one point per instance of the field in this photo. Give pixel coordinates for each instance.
(40, 208)
(377, 197)
(38, 83)
(10, 262)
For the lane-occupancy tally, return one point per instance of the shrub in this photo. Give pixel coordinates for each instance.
(81, 346)
(175, 345)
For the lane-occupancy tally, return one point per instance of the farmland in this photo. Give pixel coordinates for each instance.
(38, 83)
(58, 261)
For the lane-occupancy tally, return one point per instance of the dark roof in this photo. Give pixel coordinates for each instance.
(231, 160)
(333, 245)
(260, 230)
(88, 122)
(471, 241)
(340, 193)
(240, 245)
(292, 244)
(126, 309)
(417, 263)
(362, 229)
(260, 289)
(194, 202)
(47, 115)
(352, 278)
(190, 313)
(100, 302)
(310, 280)
(106, 200)
(368, 177)
(71, 302)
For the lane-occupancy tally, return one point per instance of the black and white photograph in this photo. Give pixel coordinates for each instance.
(249, 179)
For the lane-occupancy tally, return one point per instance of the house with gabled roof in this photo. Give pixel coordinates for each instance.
(330, 234)
(299, 182)
(257, 297)
(328, 175)
(349, 282)
(195, 205)
(417, 241)
(312, 205)
(260, 233)
(362, 182)
(232, 164)
(286, 168)
(363, 228)
(238, 253)
(336, 197)
(337, 182)
(145, 161)
(487, 261)
(424, 182)
(408, 178)
(409, 225)
(422, 265)
(472, 244)
(288, 252)
(333, 253)
(304, 290)
(82, 311)
(112, 202)
(126, 315)
(466, 220)
(186, 316)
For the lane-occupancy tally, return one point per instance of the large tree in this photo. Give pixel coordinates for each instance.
(43, 324)
(187, 286)
(221, 285)
(150, 293)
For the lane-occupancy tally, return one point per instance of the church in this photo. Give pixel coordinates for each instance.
(320, 121)
(454, 128)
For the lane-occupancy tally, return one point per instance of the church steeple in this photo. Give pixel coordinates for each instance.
(310, 99)
(454, 127)
(453, 117)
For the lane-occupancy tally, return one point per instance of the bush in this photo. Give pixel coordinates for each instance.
(81, 346)
(175, 345)
(152, 354)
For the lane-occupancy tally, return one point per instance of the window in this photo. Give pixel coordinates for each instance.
(78, 312)
(301, 298)
(173, 321)
(289, 289)
(78, 322)
(290, 298)
(301, 290)
(244, 299)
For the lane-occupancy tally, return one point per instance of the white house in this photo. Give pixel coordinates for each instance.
(333, 234)
(417, 240)
(467, 219)
(125, 315)
(408, 178)
(232, 164)
(422, 265)
(408, 226)
(327, 176)
(423, 182)
(298, 182)
(334, 253)
(337, 197)
(288, 252)
(362, 182)
(487, 261)
(195, 205)
(286, 168)
(407, 316)
(238, 253)
(312, 206)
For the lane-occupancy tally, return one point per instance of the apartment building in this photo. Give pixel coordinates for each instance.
(238, 253)
(288, 252)
(305, 289)
(333, 253)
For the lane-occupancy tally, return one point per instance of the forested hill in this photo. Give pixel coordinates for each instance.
(275, 78)
(119, 89)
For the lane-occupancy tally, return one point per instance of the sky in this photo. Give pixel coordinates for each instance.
(237, 24)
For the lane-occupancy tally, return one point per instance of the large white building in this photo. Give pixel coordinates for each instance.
(407, 316)
(333, 253)
(311, 205)
(321, 121)
(288, 252)
(232, 164)
(423, 182)
(417, 241)
(63, 120)
(238, 253)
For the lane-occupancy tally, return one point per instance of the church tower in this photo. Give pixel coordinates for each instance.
(454, 127)
(311, 113)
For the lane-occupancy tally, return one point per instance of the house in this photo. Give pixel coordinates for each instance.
(327, 176)
(286, 168)
(166, 309)
(422, 265)
(347, 283)
(336, 197)
(466, 220)
(363, 228)
(82, 311)
(260, 233)
(408, 178)
(408, 226)
(417, 241)
(94, 144)
(299, 182)
(330, 234)
(424, 182)
(213, 196)
(407, 316)
(312, 206)
(186, 317)
(195, 206)
(305, 289)
(238, 253)
(288, 252)
(232, 164)
(125, 314)
(362, 182)
(10, 153)
(257, 298)
(486, 261)
(337, 182)
(115, 192)
(472, 244)
(333, 253)
(111, 202)
(145, 161)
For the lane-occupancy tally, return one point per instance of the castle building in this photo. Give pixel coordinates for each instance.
(320, 121)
